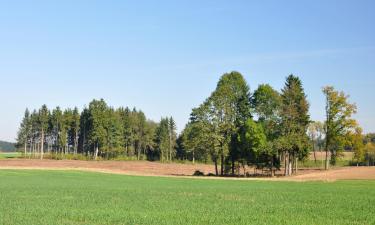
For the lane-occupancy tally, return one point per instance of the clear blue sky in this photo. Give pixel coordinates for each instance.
(165, 57)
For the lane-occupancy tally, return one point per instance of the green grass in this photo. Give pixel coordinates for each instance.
(9, 155)
(71, 197)
(320, 165)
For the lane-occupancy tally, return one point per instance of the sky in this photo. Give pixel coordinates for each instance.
(165, 57)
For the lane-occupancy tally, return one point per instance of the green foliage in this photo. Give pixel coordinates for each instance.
(339, 122)
(71, 197)
(252, 141)
(99, 131)
(370, 154)
(165, 139)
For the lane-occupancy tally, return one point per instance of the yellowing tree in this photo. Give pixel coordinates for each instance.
(339, 122)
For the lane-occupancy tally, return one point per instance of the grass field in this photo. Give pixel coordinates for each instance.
(9, 155)
(72, 197)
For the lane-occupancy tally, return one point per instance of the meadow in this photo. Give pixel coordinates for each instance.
(73, 197)
(9, 155)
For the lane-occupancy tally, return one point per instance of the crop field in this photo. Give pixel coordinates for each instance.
(75, 197)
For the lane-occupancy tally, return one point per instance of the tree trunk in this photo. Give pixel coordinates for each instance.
(170, 147)
(193, 157)
(96, 151)
(285, 164)
(327, 162)
(30, 148)
(216, 170)
(314, 153)
(296, 165)
(290, 167)
(222, 165)
(272, 162)
(76, 144)
(233, 166)
(42, 145)
(25, 148)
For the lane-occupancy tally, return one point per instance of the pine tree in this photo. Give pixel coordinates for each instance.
(97, 125)
(172, 137)
(24, 132)
(294, 122)
(43, 117)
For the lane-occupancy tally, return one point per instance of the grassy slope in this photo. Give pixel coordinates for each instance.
(62, 197)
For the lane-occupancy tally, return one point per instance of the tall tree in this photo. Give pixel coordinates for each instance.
(267, 106)
(338, 122)
(97, 125)
(75, 128)
(24, 131)
(43, 118)
(229, 108)
(162, 139)
(294, 122)
(357, 145)
(172, 137)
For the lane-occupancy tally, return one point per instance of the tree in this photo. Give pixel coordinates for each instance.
(252, 142)
(24, 131)
(97, 125)
(84, 131)
(370, 154)
(172, 137)
(267, 106)
(294, 122)
(229, 108)
(338, 122)
(162, 139)
(75, 128)
(315, 132)
(114, 133)
(43, 117)
(357, 145)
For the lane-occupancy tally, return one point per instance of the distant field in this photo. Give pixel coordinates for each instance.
(9, 155)
(68, 197)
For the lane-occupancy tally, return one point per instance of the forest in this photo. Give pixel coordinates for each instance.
(234, 129)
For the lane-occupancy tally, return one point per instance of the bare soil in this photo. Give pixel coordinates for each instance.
(145, 168)
(342, 173)
(122, 167)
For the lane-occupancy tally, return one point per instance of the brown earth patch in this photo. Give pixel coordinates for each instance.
(122, 167)
(145, 168)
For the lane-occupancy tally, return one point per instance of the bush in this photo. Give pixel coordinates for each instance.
(198, 173)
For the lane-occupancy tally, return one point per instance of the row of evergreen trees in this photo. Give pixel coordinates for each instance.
(98, 131)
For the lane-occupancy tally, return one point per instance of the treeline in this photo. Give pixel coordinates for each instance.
(233, 128)
(7, 146)
(267, 129)
(98, 131)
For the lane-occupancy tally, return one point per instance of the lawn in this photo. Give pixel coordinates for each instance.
(71, 197)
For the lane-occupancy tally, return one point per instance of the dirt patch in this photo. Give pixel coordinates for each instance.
(343, 173)
(125, 167)
(144, 168)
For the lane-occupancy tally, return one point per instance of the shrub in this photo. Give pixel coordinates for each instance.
(198, 173)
